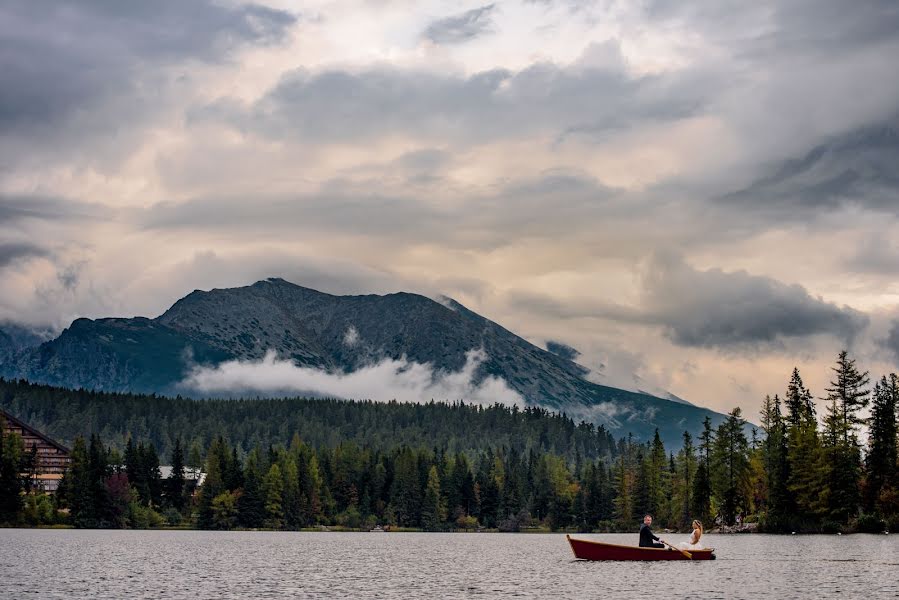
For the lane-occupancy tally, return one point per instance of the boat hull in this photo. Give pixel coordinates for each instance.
(590, 550)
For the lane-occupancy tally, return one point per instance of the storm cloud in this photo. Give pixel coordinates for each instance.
(684, 191)
(715, 308)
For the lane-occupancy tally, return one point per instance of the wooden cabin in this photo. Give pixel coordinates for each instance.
(53, 459)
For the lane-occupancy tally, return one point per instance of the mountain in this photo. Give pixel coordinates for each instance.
(14, 338)
(336, 334)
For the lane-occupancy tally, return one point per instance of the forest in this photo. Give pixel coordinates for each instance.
(305, 463)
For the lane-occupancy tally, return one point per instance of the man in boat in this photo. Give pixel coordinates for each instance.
(647, 538)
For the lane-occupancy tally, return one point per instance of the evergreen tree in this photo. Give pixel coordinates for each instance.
(98, 471)
(880, 461)
(849, 392)
(807, 470)
(702, 484)
(175, 483)
(11, 448)
(775, 462)
(659, 484)
(81, 507)
(213, 485)
(847, 396)
(687, 474)
(432, 511)
(274, 490)
(730, 467)
(251, 503)
(624, 483)
(799, 402)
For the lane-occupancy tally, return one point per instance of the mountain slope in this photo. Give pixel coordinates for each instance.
(337, 334)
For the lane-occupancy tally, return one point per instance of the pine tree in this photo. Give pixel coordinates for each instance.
(432, 511)
(775, 461)
(807, 470)
(625, 482)
(799, 403)
(730, 466)
(175, 484)
(213, 485)
(850, 394)
(98, 471)
(251, 504)
(847, 396)
(658, 478)
(11, 448)
(702, 484)
(274, 490)
(687, 475)
(880, 461)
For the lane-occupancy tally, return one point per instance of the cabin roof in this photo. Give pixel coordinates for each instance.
(19, 423)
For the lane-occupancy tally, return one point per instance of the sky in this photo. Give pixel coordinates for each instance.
(699, 195)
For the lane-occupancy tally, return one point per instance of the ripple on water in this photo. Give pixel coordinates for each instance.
(206, 564)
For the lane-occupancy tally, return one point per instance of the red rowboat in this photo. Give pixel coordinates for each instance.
(590, 550)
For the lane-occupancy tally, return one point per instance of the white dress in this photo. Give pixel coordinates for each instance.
(693, 544)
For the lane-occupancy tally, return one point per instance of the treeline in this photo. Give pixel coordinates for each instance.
(793, 475)
(66, 414)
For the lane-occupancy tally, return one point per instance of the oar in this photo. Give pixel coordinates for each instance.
(684, 552)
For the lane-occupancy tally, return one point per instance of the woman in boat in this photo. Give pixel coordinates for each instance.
(694, 543)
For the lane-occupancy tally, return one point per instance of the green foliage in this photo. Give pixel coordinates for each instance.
(159, 421)
(11, 456)
(538, 470)
(730, 467)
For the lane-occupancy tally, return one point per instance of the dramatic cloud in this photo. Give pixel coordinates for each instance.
(544, 98)
(715, 308)
(524, 157)
(387, 380)
(462, 27)
(857, 168)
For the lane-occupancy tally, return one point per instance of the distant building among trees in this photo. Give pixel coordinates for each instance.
(44, 459)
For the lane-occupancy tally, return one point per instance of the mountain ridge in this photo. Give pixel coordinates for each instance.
(336, 334)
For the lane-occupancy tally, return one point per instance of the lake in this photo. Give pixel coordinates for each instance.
(207, 564)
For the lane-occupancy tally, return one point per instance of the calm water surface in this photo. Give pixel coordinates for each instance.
(205, 564)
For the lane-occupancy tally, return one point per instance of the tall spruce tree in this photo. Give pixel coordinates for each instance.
(880, 460)
(807, 469)
(659, 484)
(432, 511)
(702, 483)
(687, 475)
(175, 484)
(11, 449)
(730, 467)
(778, 505)
(848, 395)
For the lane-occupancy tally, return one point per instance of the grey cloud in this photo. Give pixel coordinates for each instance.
(719, 309)
(70, 73)
(891, 342)
(462, 27)
(856, 168)
(481, 220)
(801, 27)
(563, 350)
(713, 309)
(489, 105)
(17, 208)
(16, 251)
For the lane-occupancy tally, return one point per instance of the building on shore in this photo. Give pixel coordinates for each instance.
(52, 458)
